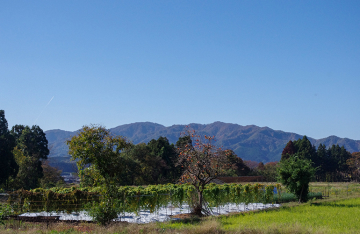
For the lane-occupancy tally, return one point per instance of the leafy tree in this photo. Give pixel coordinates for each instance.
(28, 176)
(153, 163)
(201, 162)
(302, 147)
(296, 173)
(31, 149)
(95, 146)
(90, 177)
(32, 141)
(339, 157)
(8, 166)
(166, 156)
(331, 162)
(183, 141)
(148, 167)
(237, 165)
(305, 149)
(143, 169)
(16, 130)
(268, 171)
(354, 164)
(261, 166)
(52, 176)
(322, 160)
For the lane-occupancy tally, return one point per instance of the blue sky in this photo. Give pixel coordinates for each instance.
(289, 65)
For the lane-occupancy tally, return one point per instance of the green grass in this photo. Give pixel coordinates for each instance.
(290, 197)
(326, 217)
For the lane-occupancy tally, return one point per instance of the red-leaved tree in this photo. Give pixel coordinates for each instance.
(354, 165)
(201, 163)
(288, 150)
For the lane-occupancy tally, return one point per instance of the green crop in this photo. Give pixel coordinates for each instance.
(326, 217)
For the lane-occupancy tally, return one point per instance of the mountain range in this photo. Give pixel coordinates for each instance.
(261, 144)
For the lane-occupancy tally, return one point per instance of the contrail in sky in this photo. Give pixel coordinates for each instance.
(43, 110)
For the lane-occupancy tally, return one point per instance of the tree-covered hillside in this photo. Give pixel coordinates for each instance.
(261, 144)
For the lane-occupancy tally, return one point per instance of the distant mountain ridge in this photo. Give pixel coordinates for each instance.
(261, 144)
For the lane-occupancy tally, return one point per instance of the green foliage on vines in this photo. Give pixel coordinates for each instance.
(54, 199)
(134, 199)
(5, 210)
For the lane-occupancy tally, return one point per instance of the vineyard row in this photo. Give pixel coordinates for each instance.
(134, 199)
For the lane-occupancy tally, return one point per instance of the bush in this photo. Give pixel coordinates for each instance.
(5, 211)
(103, 212)
(296, 173)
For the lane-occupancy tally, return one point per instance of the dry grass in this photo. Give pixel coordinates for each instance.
(211, 227)
(280, 229)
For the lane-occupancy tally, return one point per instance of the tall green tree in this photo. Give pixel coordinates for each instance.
(95, 146)
(183, 141)
(155, 162)
(339, 156)
(32, 141)
(296, 173)
(28, 175)
(8, 165)
(322, 156)
(322, 162)
(270, 171)
(305, 149)
(31, 149)
(331, 164)
(167, 157)
(144, 168)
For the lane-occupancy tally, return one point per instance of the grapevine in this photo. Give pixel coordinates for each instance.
(134, 199)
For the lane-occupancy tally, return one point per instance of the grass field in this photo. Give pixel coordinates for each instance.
(338, 213)
(326, 217)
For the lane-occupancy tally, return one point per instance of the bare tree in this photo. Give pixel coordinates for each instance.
(201, 163)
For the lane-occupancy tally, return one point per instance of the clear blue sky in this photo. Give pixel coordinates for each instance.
(289, 65)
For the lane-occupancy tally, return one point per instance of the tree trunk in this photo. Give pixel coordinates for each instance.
(198, 206)
(300, 198)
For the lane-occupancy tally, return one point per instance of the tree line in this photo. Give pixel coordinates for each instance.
(23, 157)
(24, 152)
(128, 164)
(333, 164)
(301, 162)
